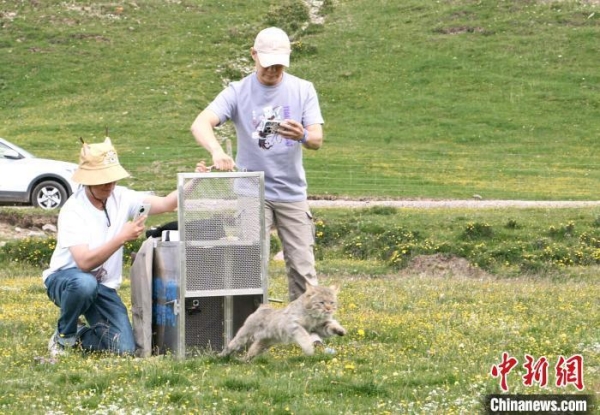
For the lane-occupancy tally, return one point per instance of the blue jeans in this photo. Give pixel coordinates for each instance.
(76, 293)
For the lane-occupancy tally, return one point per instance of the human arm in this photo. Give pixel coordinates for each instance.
(203, 131)
(168, 203)
(74, 226)
(296, 131)
(88, 259)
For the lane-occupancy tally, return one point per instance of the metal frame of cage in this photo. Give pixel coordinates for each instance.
(223, 256)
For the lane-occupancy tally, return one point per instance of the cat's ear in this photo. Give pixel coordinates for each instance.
(335, 288)
(310, 289)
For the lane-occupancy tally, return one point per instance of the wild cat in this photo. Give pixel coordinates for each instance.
(312, 312)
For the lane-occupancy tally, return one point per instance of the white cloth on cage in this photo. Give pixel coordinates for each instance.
(141, 298)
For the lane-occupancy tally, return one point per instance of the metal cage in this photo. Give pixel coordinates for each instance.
(223, 256)
(215, 276)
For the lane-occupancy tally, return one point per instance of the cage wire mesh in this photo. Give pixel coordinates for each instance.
(221, 224)
(223, 246)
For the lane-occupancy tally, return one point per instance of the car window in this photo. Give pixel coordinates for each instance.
(3, 149)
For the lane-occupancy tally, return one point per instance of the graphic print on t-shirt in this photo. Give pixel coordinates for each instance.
(267, 125)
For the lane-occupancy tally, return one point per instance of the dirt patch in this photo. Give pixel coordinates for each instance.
(26, 221)
(443, 265)
(14, 225)
(460, 30)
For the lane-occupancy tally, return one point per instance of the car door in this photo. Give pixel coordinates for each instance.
(15, 172)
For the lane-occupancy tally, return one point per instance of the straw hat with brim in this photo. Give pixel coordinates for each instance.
(99, 164)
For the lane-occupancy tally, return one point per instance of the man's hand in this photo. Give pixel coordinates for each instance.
(291, 129)
(88, 259)
(133, 229)
(201, 167)
(222, 161)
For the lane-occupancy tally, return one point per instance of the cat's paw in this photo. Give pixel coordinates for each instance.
(316, 339)
(226, 352)
(340, 331)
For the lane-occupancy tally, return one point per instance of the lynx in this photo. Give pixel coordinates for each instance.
(303, 321)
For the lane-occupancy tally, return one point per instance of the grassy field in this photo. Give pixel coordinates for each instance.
(421, 98)
(422, 338)
(415, 345)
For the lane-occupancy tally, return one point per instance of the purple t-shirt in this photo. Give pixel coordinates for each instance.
(250, 105)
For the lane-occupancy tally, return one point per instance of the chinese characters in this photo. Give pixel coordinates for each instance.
(567, 371)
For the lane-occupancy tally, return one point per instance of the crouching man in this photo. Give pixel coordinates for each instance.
(86, 267)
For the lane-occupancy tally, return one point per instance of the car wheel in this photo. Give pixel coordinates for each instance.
(49, 195)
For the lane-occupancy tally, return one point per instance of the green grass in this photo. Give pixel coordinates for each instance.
(415, 344)
(421, 98)
(507, 242)
(419, 340)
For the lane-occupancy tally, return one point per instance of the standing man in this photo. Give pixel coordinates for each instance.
(275, 115)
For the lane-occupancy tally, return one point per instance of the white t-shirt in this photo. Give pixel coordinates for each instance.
(81, 223)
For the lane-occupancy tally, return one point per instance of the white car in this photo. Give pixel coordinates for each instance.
(27, 179)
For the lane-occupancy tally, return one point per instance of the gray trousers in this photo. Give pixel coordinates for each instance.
(296, 231)
(295, 228)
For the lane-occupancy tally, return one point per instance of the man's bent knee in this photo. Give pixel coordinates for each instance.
(85, 285)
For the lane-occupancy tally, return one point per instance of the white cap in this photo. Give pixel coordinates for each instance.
(273, 47)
